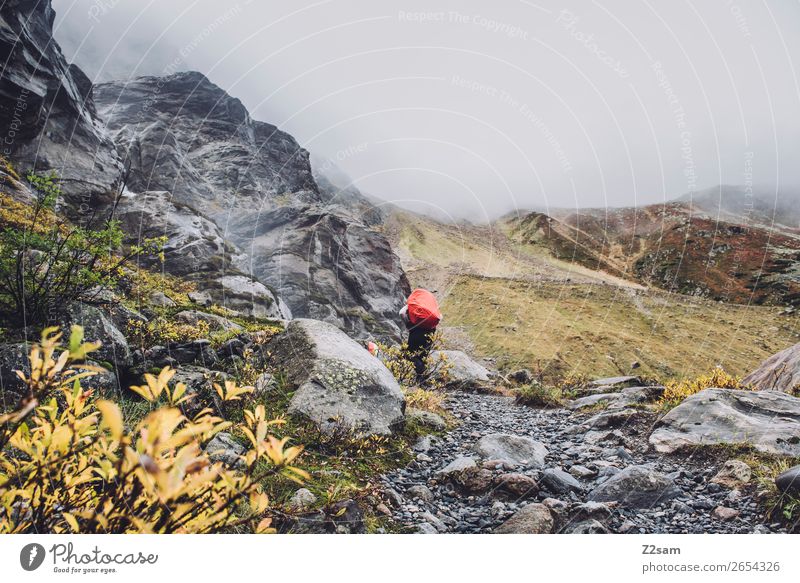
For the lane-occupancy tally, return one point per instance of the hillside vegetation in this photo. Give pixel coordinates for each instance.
(528, 304)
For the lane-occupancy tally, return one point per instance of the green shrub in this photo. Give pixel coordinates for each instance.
(538, 394)
(46, 263)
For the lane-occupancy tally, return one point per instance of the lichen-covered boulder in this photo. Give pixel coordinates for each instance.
(339, 383)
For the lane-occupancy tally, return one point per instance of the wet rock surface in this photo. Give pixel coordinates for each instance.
(339, 383)
(466, 493)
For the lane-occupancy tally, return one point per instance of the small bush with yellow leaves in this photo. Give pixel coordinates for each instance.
(677, 390)
(70, 464)
(398, 360)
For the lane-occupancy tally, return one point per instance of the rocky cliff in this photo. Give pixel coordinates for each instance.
(236, 199)
(47, 114)
(325, 257)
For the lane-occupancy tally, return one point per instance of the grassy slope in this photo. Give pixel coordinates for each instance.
(514, 303)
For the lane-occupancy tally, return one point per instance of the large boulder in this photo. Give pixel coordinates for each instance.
(767, 420)
(635, 487)
(513, 449)
(780, 372)
(460, 371)
(339, 383)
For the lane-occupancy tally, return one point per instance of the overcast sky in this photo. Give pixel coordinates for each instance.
(474, 108)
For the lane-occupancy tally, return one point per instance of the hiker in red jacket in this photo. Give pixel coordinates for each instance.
(421, 316)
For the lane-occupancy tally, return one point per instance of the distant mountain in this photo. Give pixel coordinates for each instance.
(714, 246)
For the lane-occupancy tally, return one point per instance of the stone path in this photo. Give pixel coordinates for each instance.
(579, 459)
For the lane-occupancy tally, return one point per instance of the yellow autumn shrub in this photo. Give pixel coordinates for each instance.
(676, 391)
(70, 463)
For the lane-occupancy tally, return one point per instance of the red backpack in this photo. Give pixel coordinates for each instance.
(423, 310)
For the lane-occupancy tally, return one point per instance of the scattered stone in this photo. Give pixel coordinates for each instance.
(635, 487)
(223, 448)
(516, 486)
(339, 383)
(462, 372)
(160, 300)
(558, 481)
(587, 527)
(612, 418)
(302, 499)
(426, 528)
(419, 491)
(514, 449)
(581, 472)
(531, 519)
(734, 473)
(724, 513)
(265, 384)
(423, 444)
(780, 372)
(456, 466)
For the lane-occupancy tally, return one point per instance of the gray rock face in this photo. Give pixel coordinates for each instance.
(339, 383)
(463, 372)
(199, 383)
(767, 420)
(196, 250)
(635, 487)
(47, 116)
(186, 136)
(531, 519)
(326, 266)
(789, 481)
(514, 449)
(235, 197)
(780, 372)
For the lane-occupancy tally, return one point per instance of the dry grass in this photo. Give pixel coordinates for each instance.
(600, 330)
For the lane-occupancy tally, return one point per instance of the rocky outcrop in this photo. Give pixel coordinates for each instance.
(184, 136)
(339, 383)
(326, 266)
(47, 115)
(780, 372)
(767, 420)
(235, 197)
